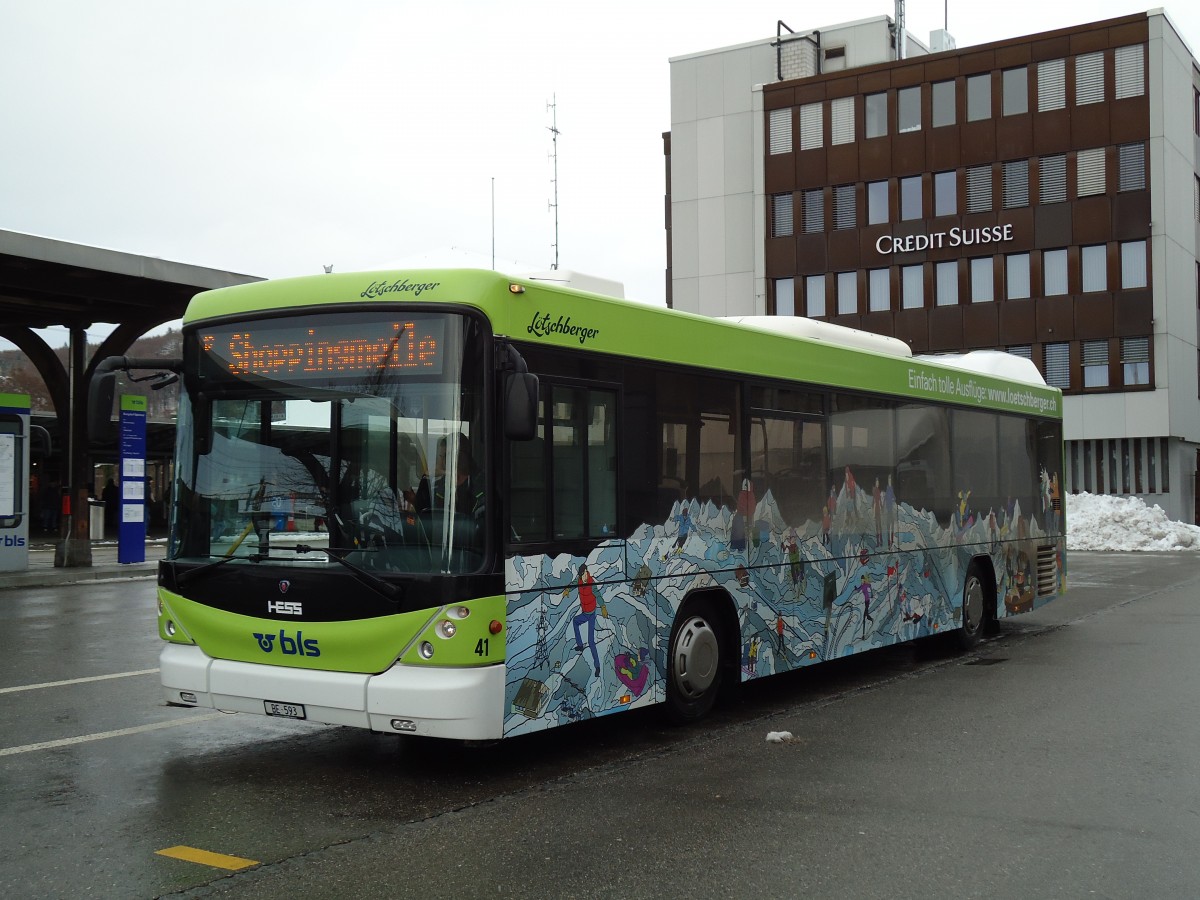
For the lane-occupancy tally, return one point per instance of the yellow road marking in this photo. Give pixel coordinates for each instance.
(207, 858)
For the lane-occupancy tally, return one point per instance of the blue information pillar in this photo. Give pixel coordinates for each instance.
(131, 530)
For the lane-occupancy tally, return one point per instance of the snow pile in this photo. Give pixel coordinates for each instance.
(1105, 522)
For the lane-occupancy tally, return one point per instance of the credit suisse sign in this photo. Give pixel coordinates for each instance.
(955, 237)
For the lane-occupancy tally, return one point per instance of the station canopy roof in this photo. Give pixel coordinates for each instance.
(46, 282)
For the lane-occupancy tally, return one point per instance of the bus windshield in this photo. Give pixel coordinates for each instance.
(354, 435)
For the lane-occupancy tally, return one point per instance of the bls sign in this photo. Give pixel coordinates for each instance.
(288, 645)
(12, 540)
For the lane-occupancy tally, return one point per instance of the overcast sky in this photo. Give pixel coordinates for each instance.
(273, 137)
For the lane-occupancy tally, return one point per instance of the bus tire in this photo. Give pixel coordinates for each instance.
(693, 664)
(974, 609)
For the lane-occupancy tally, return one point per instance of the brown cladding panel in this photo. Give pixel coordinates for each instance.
(1021, 221)
(1054, 318)
(1091, 220)
(945, 328)
(1052, 225)
(1088, 41)
(1050, 48)
(1130, 33)
(1094, 316)
(1131, 216)
(812, 167)
(1130, 119)
(912, 327)
(1012, 55)
(875, 158)
(1133, 313)
(841, 87)
(980, 325)
(842, 164)
(942, 149)
(1051, 132)
(843, 251)
(874, 82)
(978, 142)
(908, 153)
(809, 93)
(1014, 137)
(976, 63)
(941, 67)
(779, 173)
(779, 97)
(780, 257)
(1018, 322)
(848, 321)
(812, 254)
(1090, 125)
(879, 323)
(907, 76)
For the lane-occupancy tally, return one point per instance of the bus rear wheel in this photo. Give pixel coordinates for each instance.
(974, 610)
(693, 668)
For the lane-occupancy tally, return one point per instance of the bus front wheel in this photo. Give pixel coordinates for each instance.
(974, 606)
(694, 668)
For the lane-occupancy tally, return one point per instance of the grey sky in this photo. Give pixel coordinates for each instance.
(274, 136)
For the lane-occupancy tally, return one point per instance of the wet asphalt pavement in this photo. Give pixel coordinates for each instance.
(1059, 760)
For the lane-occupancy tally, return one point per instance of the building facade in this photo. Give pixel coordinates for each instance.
(1037, 195)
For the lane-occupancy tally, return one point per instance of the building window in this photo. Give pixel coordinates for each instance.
(979, 97)
(1052, 85)
(1015, 84)
(910, 198)
(1095, 364)
(841, 120)
(944, 112)
(876, 119)
(785, 296)
(1025, 351)
(843, 207)
(880, 298)
(1057, 368)
(1133, 265)
(908, 109)
(814, 211)
(979, 189)
(1089, 78)
(812, 126)
(1053, 171)
(947, 283)
(912, 280)
(877, 202)
(1016, 183)
(945, 193)
(1130, 63)
(814, 293)
(981, 280)
(1090, 175)
(1135, 361)
(1131, 167)
(1017, 276)
(847, 293)
(781, 215)
(1054, 272)
(1094, 261)
(780, 139)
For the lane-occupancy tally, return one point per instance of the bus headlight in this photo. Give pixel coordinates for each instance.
(426, 650)
(447, 629)
(170, 628)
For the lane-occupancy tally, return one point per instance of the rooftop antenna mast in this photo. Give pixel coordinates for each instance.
(553, 204)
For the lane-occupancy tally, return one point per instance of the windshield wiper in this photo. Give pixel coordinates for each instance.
(388, 590)
(185, 577)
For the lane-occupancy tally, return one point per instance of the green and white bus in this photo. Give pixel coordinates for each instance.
(468, 505)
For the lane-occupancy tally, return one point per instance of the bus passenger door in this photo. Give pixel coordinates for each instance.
(576, 633)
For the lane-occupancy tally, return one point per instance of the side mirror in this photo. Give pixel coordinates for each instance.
(520, 406)
(100, 406)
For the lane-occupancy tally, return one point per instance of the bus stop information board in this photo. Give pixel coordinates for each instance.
(131, 530)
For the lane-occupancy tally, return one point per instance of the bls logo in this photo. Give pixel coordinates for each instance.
(13, 540)
(288, 646)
